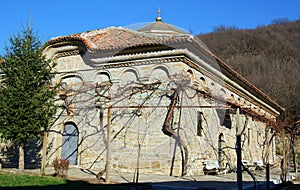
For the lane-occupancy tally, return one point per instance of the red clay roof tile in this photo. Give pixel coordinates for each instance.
(119, 38)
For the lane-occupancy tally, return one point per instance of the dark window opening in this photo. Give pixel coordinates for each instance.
(224, 116)
(199, 123)
(249, 132)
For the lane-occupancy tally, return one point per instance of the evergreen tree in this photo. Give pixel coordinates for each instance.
(26, 94)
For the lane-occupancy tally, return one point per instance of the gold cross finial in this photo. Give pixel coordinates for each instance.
(158, 18)
(158, 11)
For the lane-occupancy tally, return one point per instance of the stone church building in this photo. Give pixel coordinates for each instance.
(156, 100)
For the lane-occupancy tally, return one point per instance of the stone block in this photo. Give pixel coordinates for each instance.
(155, 165)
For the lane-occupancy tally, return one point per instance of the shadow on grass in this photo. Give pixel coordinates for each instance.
(71, 185)
(199, 185)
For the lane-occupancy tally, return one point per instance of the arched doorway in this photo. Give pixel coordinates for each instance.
(70, 143)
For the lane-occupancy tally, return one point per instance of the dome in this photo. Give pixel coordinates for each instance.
(160, 27)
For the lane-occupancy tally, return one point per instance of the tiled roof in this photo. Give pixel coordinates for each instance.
(117, 38)
(114, 38)
(161, 27)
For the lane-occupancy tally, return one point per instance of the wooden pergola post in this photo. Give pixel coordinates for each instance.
(267, 159)
(284, 169)
(107, 167)
(296, 158)
(44, 153)
(239, 151)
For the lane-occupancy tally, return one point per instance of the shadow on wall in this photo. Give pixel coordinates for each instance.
(9, 155)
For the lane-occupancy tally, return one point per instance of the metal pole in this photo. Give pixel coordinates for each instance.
(107, 168)
(238, 151)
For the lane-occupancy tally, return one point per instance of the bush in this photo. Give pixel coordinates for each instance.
(61, 167)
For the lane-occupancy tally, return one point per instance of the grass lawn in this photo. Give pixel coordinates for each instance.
(26, 182)
(15, 180)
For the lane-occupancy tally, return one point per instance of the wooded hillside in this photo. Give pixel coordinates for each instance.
(269, 57)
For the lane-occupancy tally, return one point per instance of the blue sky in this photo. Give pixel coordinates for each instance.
(52, 18)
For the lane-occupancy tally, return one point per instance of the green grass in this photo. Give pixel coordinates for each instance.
(35, 182)
(16, 180)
